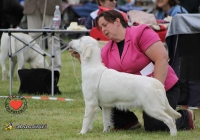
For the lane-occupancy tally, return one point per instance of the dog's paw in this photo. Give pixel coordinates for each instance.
(4, 78)
(173, 132)
(106, 129)
(80, 133)
(83, 132)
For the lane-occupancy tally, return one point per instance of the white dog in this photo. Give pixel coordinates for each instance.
(29, 55)
(109, 88)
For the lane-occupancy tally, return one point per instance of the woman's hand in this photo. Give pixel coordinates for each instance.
(75, 54)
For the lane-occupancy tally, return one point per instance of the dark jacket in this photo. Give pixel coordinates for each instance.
(11, 13)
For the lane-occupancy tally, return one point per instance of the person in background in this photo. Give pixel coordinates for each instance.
(121, 2)
(21, 2)
(39, 15)
(110, 4)
(11, 13)
(192, 6)
(167, 8)
(130, 50)
(124, 2)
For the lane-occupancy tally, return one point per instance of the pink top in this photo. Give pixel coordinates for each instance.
(133, 59)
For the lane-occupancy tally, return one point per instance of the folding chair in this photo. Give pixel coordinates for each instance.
(183, 41)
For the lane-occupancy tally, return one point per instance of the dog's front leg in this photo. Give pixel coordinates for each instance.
(90, 113)
(106, 112)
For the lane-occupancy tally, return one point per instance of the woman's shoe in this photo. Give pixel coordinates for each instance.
(191, 118)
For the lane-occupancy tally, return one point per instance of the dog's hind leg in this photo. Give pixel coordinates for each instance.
(173, 113)
(3, 66)
(169, 121)
(4, 75)
(161, 115)
(90, 114)
(106, 112)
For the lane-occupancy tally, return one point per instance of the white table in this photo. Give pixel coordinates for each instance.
(45, 33)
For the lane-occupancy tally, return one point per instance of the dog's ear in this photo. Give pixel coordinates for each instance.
(87, 51)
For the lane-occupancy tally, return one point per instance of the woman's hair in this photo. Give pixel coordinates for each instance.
(111, 16)
(98, 2)
(170, 2)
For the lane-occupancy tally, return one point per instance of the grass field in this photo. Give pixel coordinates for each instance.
(64, 119)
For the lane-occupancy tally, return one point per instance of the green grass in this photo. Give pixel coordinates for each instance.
(64, 119)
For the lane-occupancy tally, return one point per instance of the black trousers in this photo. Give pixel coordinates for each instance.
(122, 118)
(151, 124)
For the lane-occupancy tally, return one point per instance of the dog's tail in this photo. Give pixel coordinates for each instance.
(173, 113)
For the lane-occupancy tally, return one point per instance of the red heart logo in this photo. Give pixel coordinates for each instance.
(15, 104)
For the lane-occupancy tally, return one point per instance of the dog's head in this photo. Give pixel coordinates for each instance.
(84, 46)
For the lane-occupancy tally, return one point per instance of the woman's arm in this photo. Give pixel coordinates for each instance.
(158, 54)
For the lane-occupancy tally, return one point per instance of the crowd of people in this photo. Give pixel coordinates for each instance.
(162, 9)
